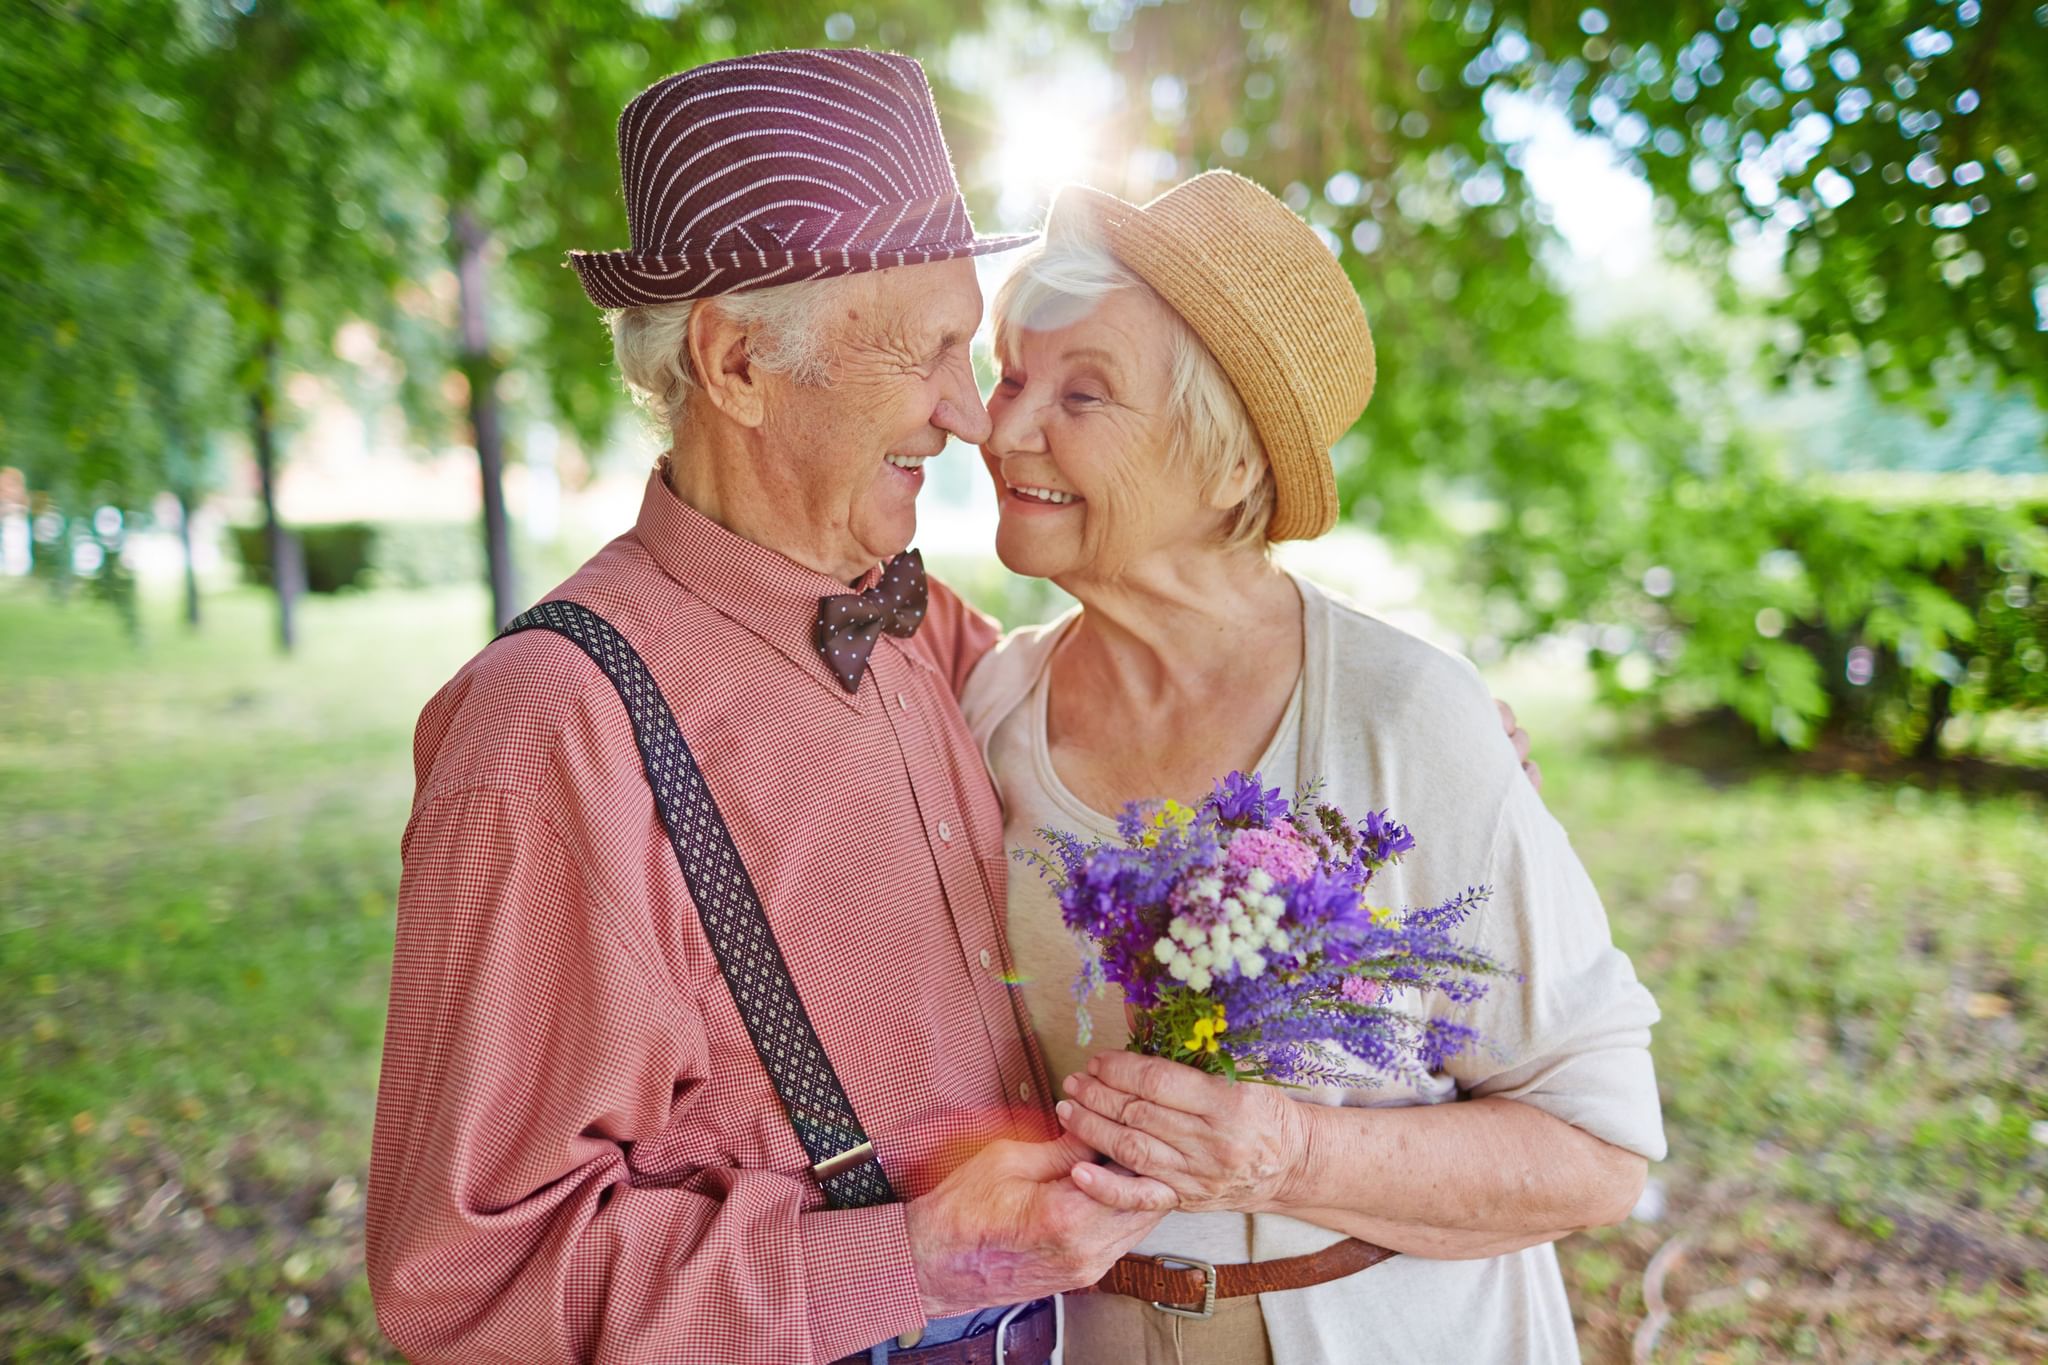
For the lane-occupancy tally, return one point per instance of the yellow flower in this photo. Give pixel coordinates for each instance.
(1384, 916)
(1171, 815)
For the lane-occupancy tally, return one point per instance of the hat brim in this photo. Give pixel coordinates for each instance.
(1305, 480)
(629, 279)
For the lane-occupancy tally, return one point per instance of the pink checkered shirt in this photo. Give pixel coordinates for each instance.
(578, 1156)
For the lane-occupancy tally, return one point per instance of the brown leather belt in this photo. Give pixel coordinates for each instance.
(1189, 1288)
(1027, 1339)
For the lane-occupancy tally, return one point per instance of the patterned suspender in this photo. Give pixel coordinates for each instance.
(842, 1158)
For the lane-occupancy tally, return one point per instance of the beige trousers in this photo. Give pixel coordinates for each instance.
(1111, 1329)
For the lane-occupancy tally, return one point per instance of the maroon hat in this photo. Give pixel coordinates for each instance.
(781, 167)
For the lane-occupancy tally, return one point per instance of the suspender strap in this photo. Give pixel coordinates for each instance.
(842, 1158)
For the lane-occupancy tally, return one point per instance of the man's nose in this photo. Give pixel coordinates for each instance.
(960, 410)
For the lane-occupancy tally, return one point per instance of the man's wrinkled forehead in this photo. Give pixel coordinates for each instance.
(939, 304)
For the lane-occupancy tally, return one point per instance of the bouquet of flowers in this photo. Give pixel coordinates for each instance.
(1243, 935)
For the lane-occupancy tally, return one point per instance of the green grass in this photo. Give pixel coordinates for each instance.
(198, 851)
(196, 879)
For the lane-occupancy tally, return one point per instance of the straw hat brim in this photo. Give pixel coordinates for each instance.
(1274, 308)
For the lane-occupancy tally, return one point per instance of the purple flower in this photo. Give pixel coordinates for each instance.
(1381, 839)
(1241, 802)
(1452, 913)
(1302, 969)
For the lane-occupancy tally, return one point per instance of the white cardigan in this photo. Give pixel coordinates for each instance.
(1389, 721)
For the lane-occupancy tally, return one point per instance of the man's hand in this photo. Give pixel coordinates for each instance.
(1012, 1225)
(1520, 739)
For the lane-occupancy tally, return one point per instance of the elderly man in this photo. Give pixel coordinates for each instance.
(703, 1044)
(783, 1106)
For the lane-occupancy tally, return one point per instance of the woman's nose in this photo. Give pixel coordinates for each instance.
(1013, 426)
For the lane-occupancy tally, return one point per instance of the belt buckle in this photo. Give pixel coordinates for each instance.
(1003, 1330)
(1208, 1308)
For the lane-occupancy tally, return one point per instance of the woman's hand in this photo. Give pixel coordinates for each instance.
(1216, 1143)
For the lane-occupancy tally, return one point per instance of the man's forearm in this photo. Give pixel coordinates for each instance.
(1457, 1181)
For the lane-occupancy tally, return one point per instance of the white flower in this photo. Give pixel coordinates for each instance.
(1199, 979)
(1204, 956)
(1166, 950)
(1180, 969)
(1208, 889)
(1278, 940)
(1253, 967)
(1259, 880)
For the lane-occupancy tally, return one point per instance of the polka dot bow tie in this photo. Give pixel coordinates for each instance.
(850, 623)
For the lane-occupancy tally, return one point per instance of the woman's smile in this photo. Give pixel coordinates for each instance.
(1033, 495)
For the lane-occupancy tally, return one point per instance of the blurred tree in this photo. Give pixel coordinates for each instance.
(1896, 149)
(188, 183)
(106, 336)
(513, 107)
(298, 200)
(1584, 476)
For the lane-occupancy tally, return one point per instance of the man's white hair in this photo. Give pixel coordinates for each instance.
(1209, 431)
(786, 325)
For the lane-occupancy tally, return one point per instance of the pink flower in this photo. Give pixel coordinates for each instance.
(1360, 991)
(1280, 853)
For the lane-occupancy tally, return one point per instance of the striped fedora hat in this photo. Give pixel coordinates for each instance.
(781, 167)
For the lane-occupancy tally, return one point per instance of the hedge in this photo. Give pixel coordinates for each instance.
(343, 555)
(1809, 608)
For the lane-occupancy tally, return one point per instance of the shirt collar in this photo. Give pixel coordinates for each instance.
(771, 595)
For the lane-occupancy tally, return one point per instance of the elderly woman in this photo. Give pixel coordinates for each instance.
(1171, 379)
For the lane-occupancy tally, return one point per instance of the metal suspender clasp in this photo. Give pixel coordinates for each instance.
(844, 1162)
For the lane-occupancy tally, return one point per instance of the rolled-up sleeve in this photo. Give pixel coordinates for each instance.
(531, 1044)
(1572, 1037)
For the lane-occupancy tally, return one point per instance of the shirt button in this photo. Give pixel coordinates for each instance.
(1023, 1090)
(984, 957)
(903, 701)
(945, 831)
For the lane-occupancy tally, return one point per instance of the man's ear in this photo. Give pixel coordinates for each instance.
(724, 369)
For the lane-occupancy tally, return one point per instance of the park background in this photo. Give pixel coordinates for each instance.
(1709, 423)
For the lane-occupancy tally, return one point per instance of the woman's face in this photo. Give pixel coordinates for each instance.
(1079, 445)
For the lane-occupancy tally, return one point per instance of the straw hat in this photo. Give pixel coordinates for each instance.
(1273, 306)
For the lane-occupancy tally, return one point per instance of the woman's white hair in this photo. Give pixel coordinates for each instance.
(1209, 432)
(787, 329)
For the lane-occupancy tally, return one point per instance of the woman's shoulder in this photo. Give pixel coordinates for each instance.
(1006, 674)
(1391, 693)
(1407, 671)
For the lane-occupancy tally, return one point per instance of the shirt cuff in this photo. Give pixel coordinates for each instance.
(861, 1280)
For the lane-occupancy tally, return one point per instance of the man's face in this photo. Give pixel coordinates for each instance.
(900, 383)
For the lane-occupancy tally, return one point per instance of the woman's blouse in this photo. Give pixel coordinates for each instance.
(1386, 721)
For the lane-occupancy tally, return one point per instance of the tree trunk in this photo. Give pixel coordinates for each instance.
(486, 423)
(191, 569)
(1940, 706)
(285, 569)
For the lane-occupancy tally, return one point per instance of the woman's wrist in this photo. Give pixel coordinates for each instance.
(1300, 1184)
